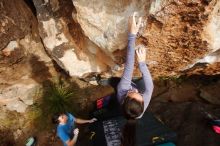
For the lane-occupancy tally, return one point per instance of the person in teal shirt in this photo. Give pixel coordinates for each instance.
(66, 130)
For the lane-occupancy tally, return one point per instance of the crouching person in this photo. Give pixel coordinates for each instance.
(66, 129)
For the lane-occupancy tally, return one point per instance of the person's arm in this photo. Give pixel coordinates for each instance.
(83, 121)
(125, 82)
(148, 82)
(72, 142)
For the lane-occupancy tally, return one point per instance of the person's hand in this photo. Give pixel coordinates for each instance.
(133, 25)
(141, 54)
(76, 131)
(92, 120)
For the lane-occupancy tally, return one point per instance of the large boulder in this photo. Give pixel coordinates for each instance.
(91, 36)
(105, 22)
(64, 40)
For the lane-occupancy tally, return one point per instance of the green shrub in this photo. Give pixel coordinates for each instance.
(57, 98)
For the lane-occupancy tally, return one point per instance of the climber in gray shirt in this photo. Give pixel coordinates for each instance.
(133, 102)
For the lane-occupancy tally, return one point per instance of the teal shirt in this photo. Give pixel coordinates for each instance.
(65, 132)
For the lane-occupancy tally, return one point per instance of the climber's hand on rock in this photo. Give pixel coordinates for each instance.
(141, 54)
(133, 24)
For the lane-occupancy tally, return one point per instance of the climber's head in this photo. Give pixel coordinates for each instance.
(133, 105)
(59, 118)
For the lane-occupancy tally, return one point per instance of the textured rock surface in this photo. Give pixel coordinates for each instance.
(105, 22)
(24, 64)
(209, 64)
(15, 21)
(18, 96)
(177, 33)
(211, 93)
(64, 41)
(86, 38)
(90, 37)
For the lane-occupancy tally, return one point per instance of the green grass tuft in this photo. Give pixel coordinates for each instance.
(58, 98)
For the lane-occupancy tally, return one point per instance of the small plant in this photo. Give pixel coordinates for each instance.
(58, 98)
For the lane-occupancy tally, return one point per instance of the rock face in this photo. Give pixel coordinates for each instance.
(105, 22)
(64, 41)
(17, 97)
(210, 93)
(24, 64)
(15, 21)
(93, 34)
(90, 37)
(174, 32)
(23, 69)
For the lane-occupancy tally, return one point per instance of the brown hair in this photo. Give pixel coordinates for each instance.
(132, 109)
